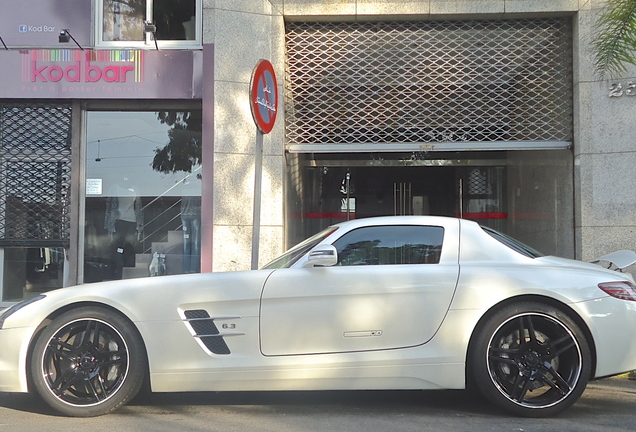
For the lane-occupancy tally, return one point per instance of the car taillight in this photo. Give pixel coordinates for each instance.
(621, 289)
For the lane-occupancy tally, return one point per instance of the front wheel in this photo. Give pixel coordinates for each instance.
(88, 362)
(530, 358)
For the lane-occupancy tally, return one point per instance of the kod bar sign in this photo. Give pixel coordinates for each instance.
(72, 66)
(101, 74)
(78, 73)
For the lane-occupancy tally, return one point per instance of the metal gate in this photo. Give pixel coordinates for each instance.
(35, 174)
(474, 82)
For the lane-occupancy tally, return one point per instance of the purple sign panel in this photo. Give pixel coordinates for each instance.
(37, 23)
(100, 74)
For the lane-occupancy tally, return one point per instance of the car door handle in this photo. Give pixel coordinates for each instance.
(366, 333)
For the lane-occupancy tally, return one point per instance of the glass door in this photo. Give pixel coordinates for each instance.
(526, 194)
(143, 194)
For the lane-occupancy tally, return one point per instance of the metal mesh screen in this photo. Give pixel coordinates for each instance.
(35, 174)
(429, 82)
(477, 181)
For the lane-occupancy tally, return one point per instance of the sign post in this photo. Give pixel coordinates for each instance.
(264, 105)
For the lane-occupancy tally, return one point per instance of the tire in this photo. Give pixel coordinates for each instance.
(88, 362)
(531, 359)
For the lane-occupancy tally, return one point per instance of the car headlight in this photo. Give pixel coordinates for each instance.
(16, 307)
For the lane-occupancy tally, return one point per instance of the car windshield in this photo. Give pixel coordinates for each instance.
(513, 244)
(290, 257)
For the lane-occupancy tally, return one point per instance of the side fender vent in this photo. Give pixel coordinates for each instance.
(206, 331)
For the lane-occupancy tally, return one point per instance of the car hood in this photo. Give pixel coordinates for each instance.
(158, 298)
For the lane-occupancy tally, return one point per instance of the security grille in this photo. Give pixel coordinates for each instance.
(429, 82)
(477, 181)
(35, 174)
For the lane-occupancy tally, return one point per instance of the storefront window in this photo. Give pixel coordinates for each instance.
(526, 194)
(177, 22)
(143, 194)
(35, 173)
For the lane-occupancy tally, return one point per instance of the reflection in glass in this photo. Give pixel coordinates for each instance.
(29, 271)
(390, 245)
(124, 20)
(143, 194)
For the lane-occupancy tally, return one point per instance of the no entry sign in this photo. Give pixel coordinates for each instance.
(264, 96)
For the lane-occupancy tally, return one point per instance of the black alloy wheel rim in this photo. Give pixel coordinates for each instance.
(85, 362)
(534, 360)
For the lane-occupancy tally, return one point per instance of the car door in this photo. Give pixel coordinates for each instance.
(391, 288)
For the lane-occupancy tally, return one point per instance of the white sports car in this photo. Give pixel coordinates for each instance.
(411, 302)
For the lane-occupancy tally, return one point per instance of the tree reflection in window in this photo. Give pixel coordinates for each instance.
(123, 20)
(390, 245)
(183, 150)
(183, 153)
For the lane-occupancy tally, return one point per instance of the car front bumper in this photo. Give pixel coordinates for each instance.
(13, 354)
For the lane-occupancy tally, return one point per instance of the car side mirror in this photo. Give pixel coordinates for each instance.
(322, 256)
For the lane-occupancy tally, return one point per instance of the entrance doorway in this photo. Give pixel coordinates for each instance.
(475, 192)
(395, 191)
(528, 195)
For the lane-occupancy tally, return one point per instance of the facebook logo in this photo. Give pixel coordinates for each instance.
(23, 28)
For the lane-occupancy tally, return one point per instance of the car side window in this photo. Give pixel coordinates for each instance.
(393, 244)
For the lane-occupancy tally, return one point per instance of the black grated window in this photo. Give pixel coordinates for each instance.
(35, 174)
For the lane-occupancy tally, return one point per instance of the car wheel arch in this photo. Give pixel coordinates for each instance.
(562, 307)
(66, 308)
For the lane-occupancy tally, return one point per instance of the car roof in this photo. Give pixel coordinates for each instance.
(402, 220)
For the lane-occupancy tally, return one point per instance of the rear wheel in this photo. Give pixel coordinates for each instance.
(87, 362)
(531, 359)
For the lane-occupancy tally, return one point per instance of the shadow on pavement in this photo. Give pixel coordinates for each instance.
(613, 396)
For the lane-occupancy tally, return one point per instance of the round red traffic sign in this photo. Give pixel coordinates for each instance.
(264, 96)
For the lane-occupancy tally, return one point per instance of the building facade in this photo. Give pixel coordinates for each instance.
(127, 144)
